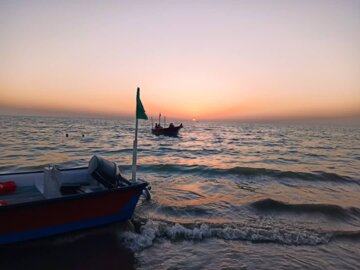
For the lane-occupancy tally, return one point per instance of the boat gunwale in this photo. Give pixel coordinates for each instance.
(39, 171)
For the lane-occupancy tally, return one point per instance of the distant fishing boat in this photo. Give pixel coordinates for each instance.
(171, 130)
(53, 201)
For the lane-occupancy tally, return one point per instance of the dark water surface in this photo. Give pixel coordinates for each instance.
(225, 195)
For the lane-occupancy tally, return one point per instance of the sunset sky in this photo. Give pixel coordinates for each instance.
(192, 59)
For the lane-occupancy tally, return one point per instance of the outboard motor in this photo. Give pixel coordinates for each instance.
(106, 172)
(146, 193)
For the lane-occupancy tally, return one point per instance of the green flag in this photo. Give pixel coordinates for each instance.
(140, 112)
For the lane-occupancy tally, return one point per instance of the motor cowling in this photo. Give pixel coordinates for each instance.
(104, 171)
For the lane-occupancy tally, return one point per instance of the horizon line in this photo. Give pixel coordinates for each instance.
(25, 112)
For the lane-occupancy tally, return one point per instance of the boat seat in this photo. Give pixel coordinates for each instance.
(70, 188)
(49, 185)
(90, 188)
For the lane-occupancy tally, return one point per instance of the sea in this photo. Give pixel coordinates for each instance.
(225, 195)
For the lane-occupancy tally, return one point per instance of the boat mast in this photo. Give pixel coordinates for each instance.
(159, 119)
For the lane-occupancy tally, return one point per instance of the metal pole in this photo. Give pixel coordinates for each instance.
(135, 152)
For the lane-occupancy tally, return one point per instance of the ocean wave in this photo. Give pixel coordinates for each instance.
(163, 150)
(329, 210)
(198, 211)
(346, 235)
(266, 233)
(247, 172)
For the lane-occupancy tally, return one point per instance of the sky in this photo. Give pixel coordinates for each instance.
(192, 59)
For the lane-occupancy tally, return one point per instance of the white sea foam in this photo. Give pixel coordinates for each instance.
(144, 239)
(152, 230)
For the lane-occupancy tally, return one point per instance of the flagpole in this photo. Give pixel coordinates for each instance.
(140, 114)
(134, 153)
(133, 178)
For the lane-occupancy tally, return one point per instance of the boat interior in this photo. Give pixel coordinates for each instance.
(52, 182)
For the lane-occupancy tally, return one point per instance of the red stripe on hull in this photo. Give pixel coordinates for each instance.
(62, 211)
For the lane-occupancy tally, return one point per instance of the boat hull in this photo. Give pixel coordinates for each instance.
(37, 219)
(171, 132)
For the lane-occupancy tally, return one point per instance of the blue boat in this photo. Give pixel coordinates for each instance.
(57, 201)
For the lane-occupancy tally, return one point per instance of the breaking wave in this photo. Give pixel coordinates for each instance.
(152, 230)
